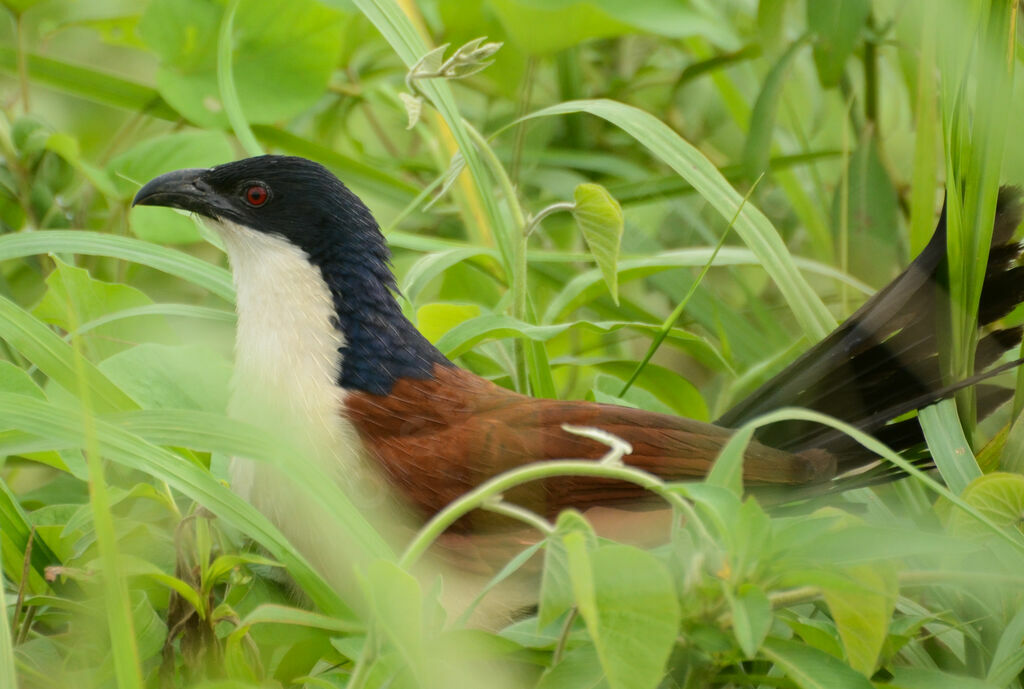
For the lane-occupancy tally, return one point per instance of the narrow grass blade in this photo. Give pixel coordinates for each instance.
(177, 263)
(753, 227)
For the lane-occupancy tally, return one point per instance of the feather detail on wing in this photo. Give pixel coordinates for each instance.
(435, 439)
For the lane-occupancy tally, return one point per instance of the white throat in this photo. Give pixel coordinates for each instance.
(287, 358)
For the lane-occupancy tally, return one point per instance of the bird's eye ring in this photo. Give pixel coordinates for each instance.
(256, 194)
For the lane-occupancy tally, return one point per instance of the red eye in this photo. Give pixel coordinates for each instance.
(257, 195)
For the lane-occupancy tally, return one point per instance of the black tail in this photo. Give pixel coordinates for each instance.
(883, 361)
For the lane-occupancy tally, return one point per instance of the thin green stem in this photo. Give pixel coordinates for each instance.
(670, 322)
(521, 514)
(534, 221)
(498, 485)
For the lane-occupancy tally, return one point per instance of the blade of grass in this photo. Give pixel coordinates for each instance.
(753, 227)
(7, 675)
(63, 426)
(677, 313)
(56, 358)
(226, 83)
(948, 445)
(177, 263)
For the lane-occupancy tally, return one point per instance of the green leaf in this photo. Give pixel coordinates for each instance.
(751, 224)
(862, 617)
(282, 61)
(599, 217)
(628, 601)
(1008, 658)
(810, 668)
(73, 297)
(435, 321)
(949, 446)
(999, 496)
(16, 380)
(547, 26)
(153, 157)
(751, 617)
(172, 377)
(872, 215)
(837, 25)
(931, 678)
(556, 588)
(580, 668)
(758, 148)
(54, 357)
(397, 605)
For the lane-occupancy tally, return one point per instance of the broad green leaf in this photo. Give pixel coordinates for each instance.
(73, 297)
(580, 668)
(599, 217)
(16, 380)
(862, 617)
(168, 377)
(542, 27)
(751, 617)
(751, 224)
(628, 601)
(283, 59)
(556, 588)
(153, 157)
(150, 630)
(15, 528)
(810, 668)
(999, 496)
(837, 25)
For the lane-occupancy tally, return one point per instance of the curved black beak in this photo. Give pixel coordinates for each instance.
(184, 189)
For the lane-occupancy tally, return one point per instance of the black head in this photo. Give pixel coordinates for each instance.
(304, 203)
(285, 195)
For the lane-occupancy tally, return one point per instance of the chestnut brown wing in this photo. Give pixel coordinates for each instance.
(437, 439)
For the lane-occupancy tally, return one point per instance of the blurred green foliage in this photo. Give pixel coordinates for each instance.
(810, 139)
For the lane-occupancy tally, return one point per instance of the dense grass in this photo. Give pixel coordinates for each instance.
(703, 187)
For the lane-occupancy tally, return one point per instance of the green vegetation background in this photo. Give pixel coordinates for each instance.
(798, 149)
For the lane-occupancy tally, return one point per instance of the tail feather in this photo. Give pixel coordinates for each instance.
(883, 362)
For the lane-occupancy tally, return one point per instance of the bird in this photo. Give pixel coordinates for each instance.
(322, 337)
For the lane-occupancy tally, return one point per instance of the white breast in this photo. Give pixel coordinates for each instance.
(287, 362)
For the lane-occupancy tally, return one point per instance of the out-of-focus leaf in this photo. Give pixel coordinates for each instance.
(580, 668)
(153, 157)
(932, 678)
(628, 601)
(751, 617)
(810, 668)
(73, 297)
(283, 58)
(999, 496)
(172, 377)
(862, 617)
(837, 24)
(599, 217)
(872, 217)
(436, 320)
(758, 148)
(556, 588)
